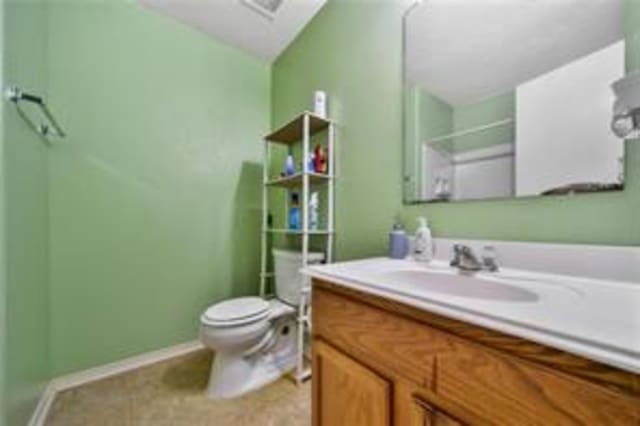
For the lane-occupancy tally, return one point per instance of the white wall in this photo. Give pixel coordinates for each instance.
(484, 173)
(476, 174)
(562, 124)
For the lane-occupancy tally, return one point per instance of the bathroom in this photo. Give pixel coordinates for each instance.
(144, 202)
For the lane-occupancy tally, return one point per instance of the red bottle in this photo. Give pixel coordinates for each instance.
(320, 159)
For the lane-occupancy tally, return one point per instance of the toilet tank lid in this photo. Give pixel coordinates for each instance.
(313, 256)
(237, 308)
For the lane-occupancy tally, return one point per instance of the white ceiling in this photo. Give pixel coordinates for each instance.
(466, 50)
(234, 23)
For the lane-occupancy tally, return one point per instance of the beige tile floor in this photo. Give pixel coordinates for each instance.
(173, 393)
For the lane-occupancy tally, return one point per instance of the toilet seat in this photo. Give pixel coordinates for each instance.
(236, 312)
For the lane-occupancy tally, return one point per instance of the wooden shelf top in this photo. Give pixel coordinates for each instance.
(295, 181)
(292, 131)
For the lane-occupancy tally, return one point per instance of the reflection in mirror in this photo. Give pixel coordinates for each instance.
(511, 98)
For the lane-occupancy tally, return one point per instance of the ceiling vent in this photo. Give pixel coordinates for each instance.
(266, 8)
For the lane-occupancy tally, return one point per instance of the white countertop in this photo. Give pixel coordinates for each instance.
(597, 319)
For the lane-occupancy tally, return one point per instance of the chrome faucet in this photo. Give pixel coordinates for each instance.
(465, 260)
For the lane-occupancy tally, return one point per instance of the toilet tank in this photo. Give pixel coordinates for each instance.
(289, 280)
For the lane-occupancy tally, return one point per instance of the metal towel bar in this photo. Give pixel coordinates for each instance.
(15, 95)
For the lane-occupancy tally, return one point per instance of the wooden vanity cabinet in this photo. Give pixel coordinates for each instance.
(349, 393)
(378, 362)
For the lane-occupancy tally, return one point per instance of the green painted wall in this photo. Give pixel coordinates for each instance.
(155, 196)
(425, 117)
(437, 117)
(632, 31)
(353, 50)
(25, 216)
(490, 110)
(3, 263)
(493, 108)
(434, 118)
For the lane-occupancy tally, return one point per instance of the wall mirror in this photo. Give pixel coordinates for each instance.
(511, 98)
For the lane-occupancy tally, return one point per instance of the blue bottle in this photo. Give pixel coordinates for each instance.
(289, 166)
(398, 242)
(294, 212)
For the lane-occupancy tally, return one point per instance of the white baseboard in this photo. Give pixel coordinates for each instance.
(79, 378)
(91, 375)
(44, 404)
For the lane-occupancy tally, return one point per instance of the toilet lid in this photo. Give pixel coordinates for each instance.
(238, 309)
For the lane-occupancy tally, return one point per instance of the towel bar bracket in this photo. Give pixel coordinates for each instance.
(15, 96)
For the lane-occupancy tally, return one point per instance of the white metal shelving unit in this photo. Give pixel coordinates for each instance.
(299, 130)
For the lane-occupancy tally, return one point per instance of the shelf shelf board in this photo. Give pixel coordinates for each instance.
(505, 122)
(298, 231)
(292, 131)
(295, 180)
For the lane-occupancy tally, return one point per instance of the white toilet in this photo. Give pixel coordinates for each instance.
(255, 339)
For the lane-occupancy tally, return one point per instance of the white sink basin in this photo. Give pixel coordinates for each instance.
(595, 318)
(461, 285)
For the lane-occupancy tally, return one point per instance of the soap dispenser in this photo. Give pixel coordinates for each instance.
(423, 244)
(398, 242)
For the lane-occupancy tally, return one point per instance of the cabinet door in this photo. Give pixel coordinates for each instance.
(430, 415)
(507, 390)
(413, 408)
(345, 392)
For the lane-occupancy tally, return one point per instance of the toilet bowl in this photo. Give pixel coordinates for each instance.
(254, 339)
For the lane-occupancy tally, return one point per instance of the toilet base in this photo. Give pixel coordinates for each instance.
(233, 374)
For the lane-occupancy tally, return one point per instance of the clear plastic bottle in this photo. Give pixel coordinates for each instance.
(423, 244)
(313, 211)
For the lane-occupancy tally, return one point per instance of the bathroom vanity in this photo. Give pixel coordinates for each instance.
(389, 351)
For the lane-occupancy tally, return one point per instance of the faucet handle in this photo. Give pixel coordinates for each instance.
(490, 258)
(457, 252)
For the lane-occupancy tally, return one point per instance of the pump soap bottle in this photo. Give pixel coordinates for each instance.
(398, 242)
(423, 244)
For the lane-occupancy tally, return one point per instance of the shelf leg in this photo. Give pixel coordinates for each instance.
(265, 217)
(330, 195)
(302, 326)
(305, 246)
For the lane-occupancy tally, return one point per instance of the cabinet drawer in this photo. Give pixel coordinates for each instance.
(388, 341)
(502, 388)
